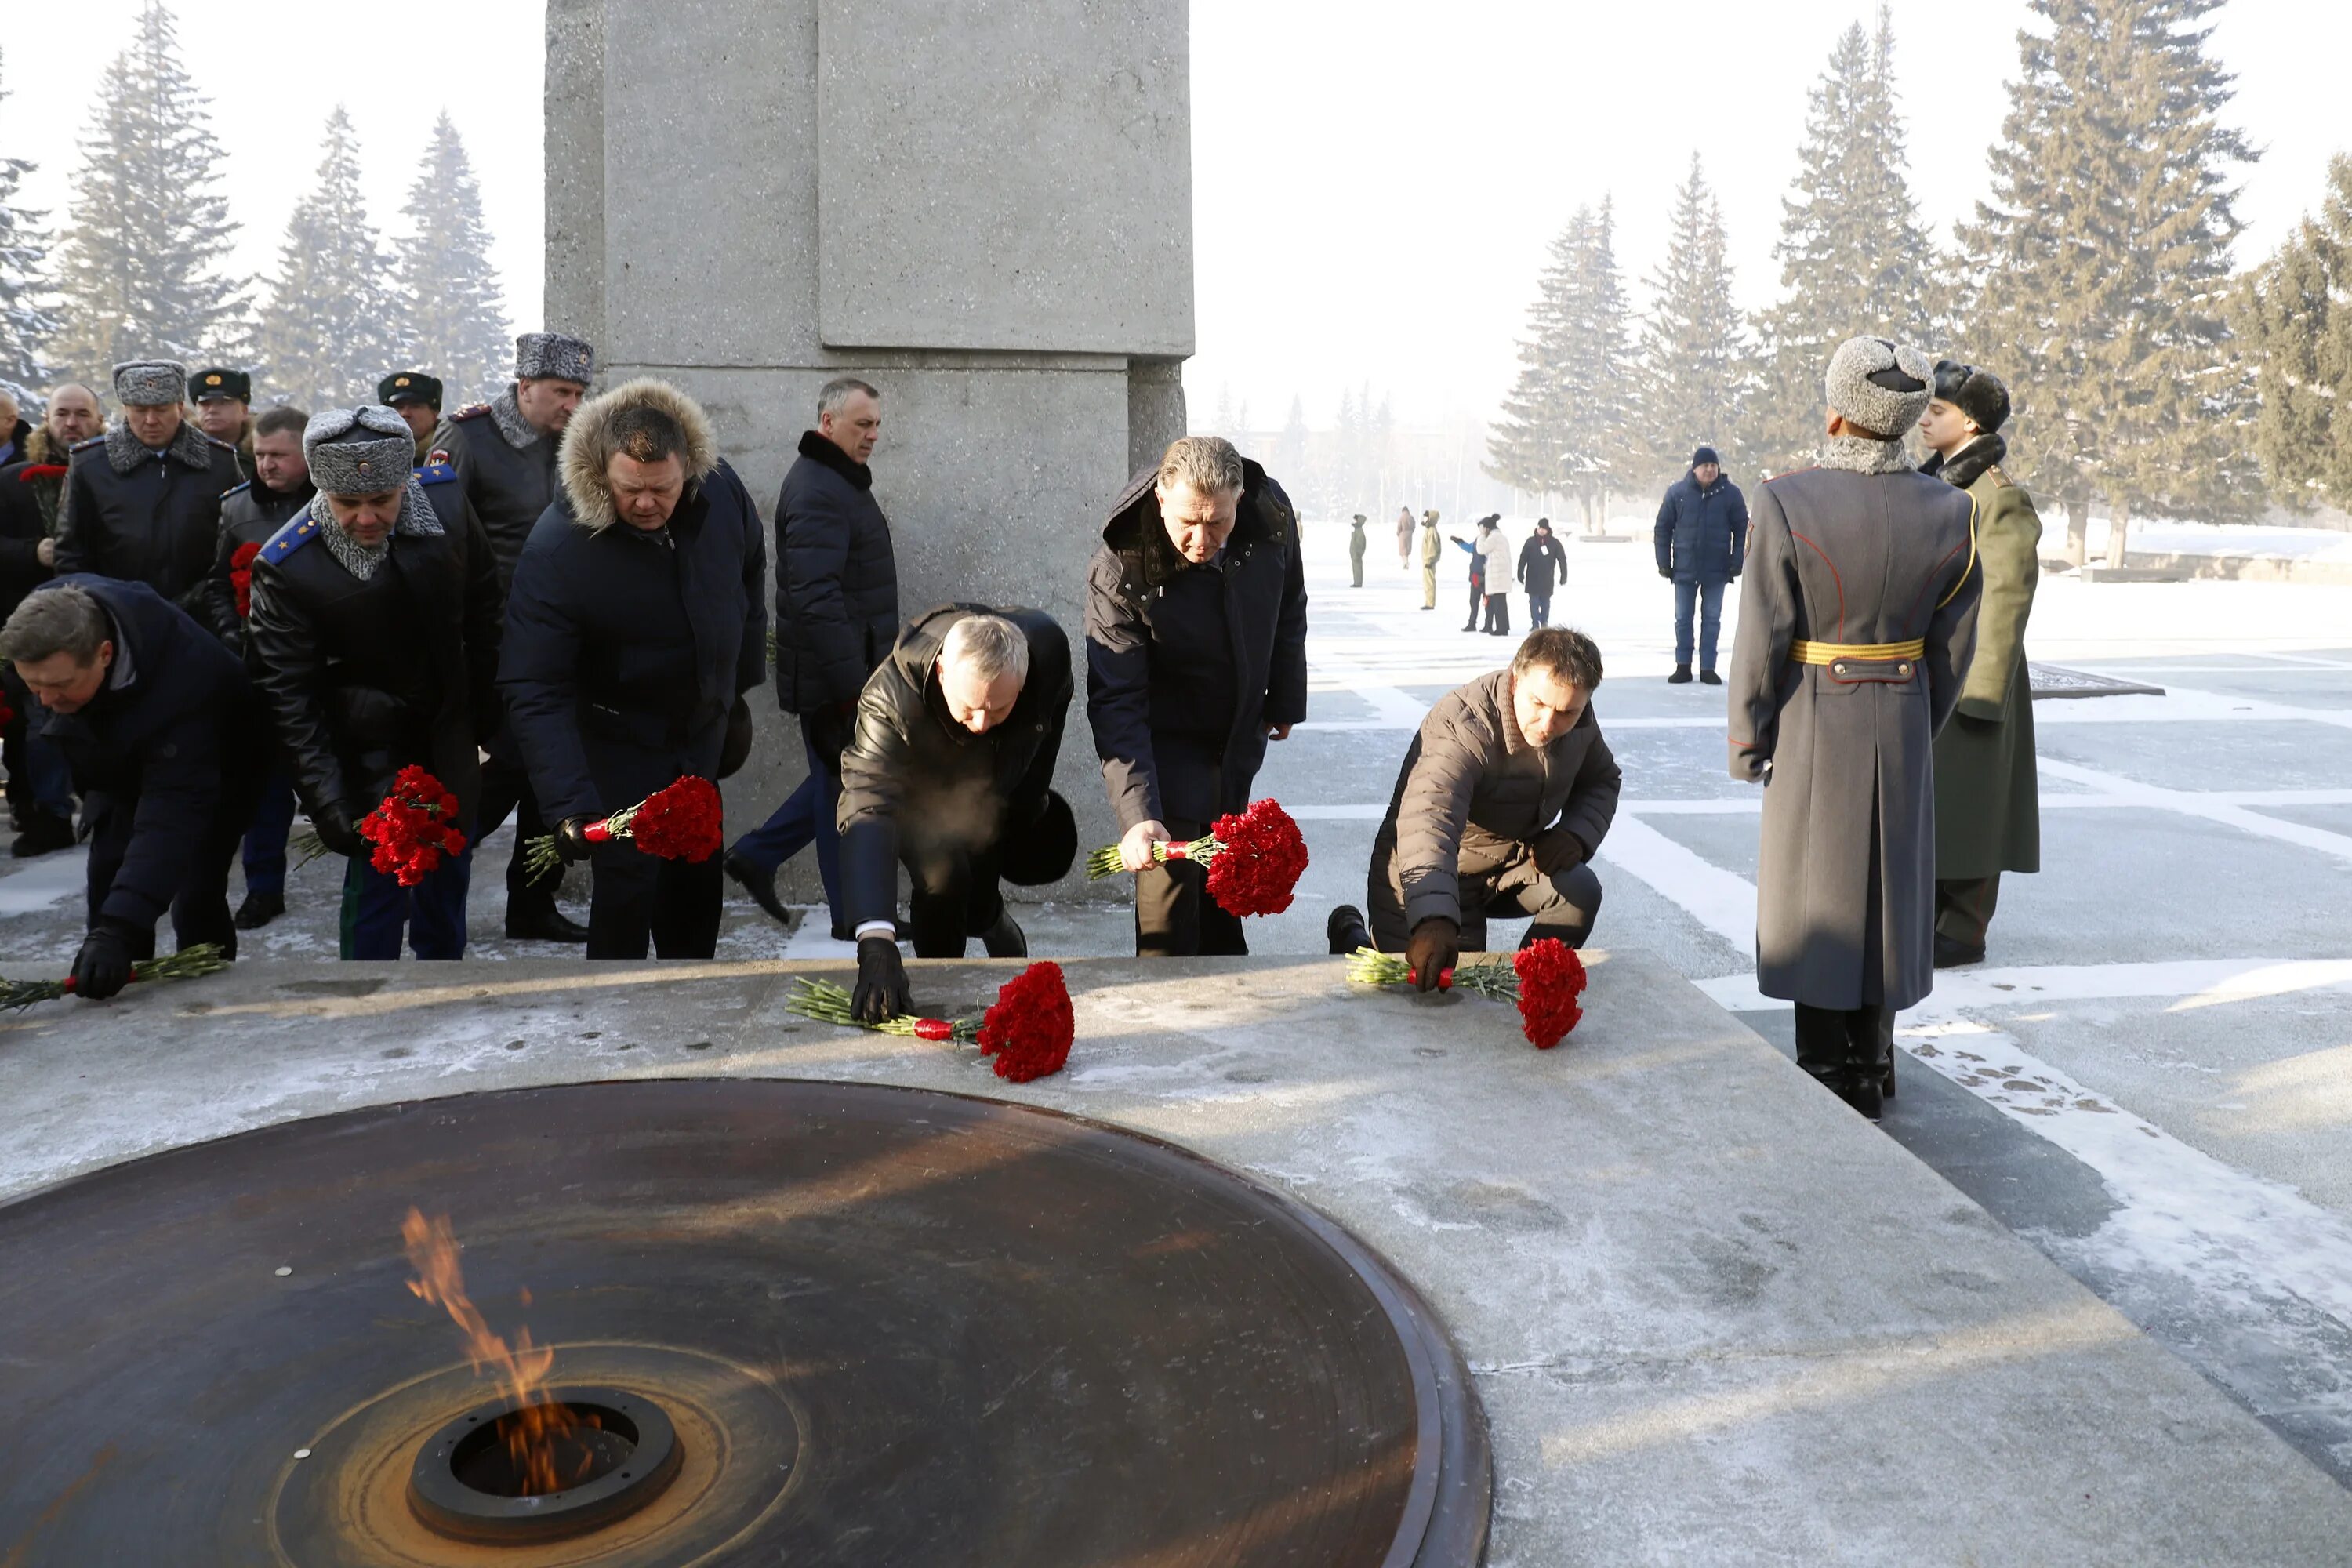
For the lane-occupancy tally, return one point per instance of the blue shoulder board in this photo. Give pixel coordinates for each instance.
(299, 531)
(86, 445)
(237, 489)
(437, 474)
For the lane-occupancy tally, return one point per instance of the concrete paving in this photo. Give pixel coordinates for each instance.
(1712, 1316)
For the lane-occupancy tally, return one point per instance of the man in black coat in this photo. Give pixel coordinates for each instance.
(142, 501)
(1542, 564)
(374, 643)
(1196, 655)
(836, 618)
(1700, 538)
(636, 621)
(159, 724)
(951, 773)
(40, 788)
(505, 454)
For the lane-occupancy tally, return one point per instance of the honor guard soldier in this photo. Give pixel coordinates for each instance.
(142, 501)
(416, 398)
(223, 400)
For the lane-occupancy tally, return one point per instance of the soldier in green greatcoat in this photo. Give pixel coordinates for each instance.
(1356, 549)
(1988, 808)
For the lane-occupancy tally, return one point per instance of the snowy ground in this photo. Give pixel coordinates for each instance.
(2151, 1078)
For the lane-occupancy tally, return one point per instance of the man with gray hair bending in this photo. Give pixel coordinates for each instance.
(950, 772)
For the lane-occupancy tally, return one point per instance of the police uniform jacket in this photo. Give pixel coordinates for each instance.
(137, 517)
(507, 469)
(249, 515)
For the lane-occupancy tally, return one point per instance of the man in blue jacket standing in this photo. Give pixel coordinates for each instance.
(1702, 537)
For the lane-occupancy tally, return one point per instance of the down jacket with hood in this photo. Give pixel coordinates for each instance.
(1187, 666)
(625, 648)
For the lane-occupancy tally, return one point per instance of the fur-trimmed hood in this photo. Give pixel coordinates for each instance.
(190, 444)
(588, 447)
(41, 446)
(1966, 465)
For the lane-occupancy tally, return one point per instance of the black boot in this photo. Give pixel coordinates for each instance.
(1953, 954)
(550, 924)
(760, 884)
(1709, 678)
(1346, 929)
(1005, 939)
(259, 909)
(1681, 677)
(44, 834)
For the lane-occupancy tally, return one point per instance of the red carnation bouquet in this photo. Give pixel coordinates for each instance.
(188, 964)
(1254, 859)
(412, 828)
(684, 821)
(1545, 978)
(241, 577)
(1028, 1028)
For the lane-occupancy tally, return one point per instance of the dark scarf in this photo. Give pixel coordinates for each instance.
(1967, 466)
(817, 448)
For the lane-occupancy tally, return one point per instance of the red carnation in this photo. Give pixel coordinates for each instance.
(240, 576)
(413, 827)
(1551, 978)
(1259, 859)
(683, 822)
(1029, 1028)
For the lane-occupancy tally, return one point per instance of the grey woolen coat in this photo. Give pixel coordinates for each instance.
(1845, 877)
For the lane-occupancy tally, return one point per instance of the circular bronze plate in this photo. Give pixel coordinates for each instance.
(890, 1326)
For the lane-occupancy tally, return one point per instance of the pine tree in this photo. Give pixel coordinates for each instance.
(1563, 428)
(1855, 257)
(1527, 445)
(450, 299)
(1693, 355)
(332, 325)
(139, 270)
(23, 324)
(1599, 360)
(2104, 254)
(2295, 312)
(1290, 446)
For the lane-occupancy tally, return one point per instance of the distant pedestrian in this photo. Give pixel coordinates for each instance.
(1988, 810)
(1542, 564)
(1432, 547)
(1405, 538)
(1494, 551)
(1478, 569)
(1702, 537)
(1356, 550)
(1850, 653)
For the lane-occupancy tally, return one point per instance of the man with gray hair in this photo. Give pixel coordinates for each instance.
(142, 502)
(1196, 657)
(836, 617)
(950, 772)
(1850, 656)
(505, 454)
(158, 723)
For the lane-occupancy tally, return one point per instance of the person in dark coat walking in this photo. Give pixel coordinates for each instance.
(1701, 538)
(836, 618)
(1503, 797)
(1542, 564)
(40, 787)
(950, 775)
(637, 621)
(1196, 657)
(505, 454)
(1851, 650)
(159, 726)
(250, 513)
(375, 642)
(142, 501)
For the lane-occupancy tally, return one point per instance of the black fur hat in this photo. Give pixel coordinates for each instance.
(1979, 393)
(1042, 852)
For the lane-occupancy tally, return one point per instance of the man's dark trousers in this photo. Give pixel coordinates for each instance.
(809, 816)
(1173, 912)
(954, 894)
(1564, 904)
(1706, 596)
(200, 913)
(377, 909)
(265, 835)
(506, 787)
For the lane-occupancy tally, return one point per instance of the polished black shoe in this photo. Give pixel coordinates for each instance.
(760, 884)
(553, 925)
(1709, 678)
(259, 909)
(1951, 954)
(1681, 677)
(44, 834)
(1471, 627)
(1346, 929)
(1005, 939)
(1864, 1093)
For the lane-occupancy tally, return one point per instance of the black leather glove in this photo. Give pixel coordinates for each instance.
(334, 823)
(881, 982)
(572, 839)
(1557, 850)
(102, 968)
(830, 730)
(1434, 948)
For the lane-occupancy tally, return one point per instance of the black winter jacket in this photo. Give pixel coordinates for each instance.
(508, 485)
(914, 779)
(250, 514)
(138, 519)
(836, 580)
(364, 678)
(1702, 534)
(1187, 666)
(172, 743)
(22, 526)
(1542, 562)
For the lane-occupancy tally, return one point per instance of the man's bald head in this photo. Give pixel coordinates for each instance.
(74, 413)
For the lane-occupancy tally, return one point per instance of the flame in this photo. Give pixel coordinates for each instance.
(530, 1431)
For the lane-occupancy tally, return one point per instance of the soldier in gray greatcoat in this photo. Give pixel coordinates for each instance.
(1851, 647)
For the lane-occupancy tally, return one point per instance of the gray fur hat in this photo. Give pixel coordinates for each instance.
(149, 383)
(553, 354)
(1880, 385)
(361, 451)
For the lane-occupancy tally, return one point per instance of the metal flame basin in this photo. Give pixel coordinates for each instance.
(884, 1325)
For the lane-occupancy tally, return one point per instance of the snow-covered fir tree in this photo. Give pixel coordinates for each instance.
(1694, 358)
(451, 304)
(1524, 446)
(2297, 315)
(139, 271)
(1564, 428)
(332, 325)
(23, 324)
(1855, 257)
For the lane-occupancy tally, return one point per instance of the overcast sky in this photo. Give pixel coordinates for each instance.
(1374, 181)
